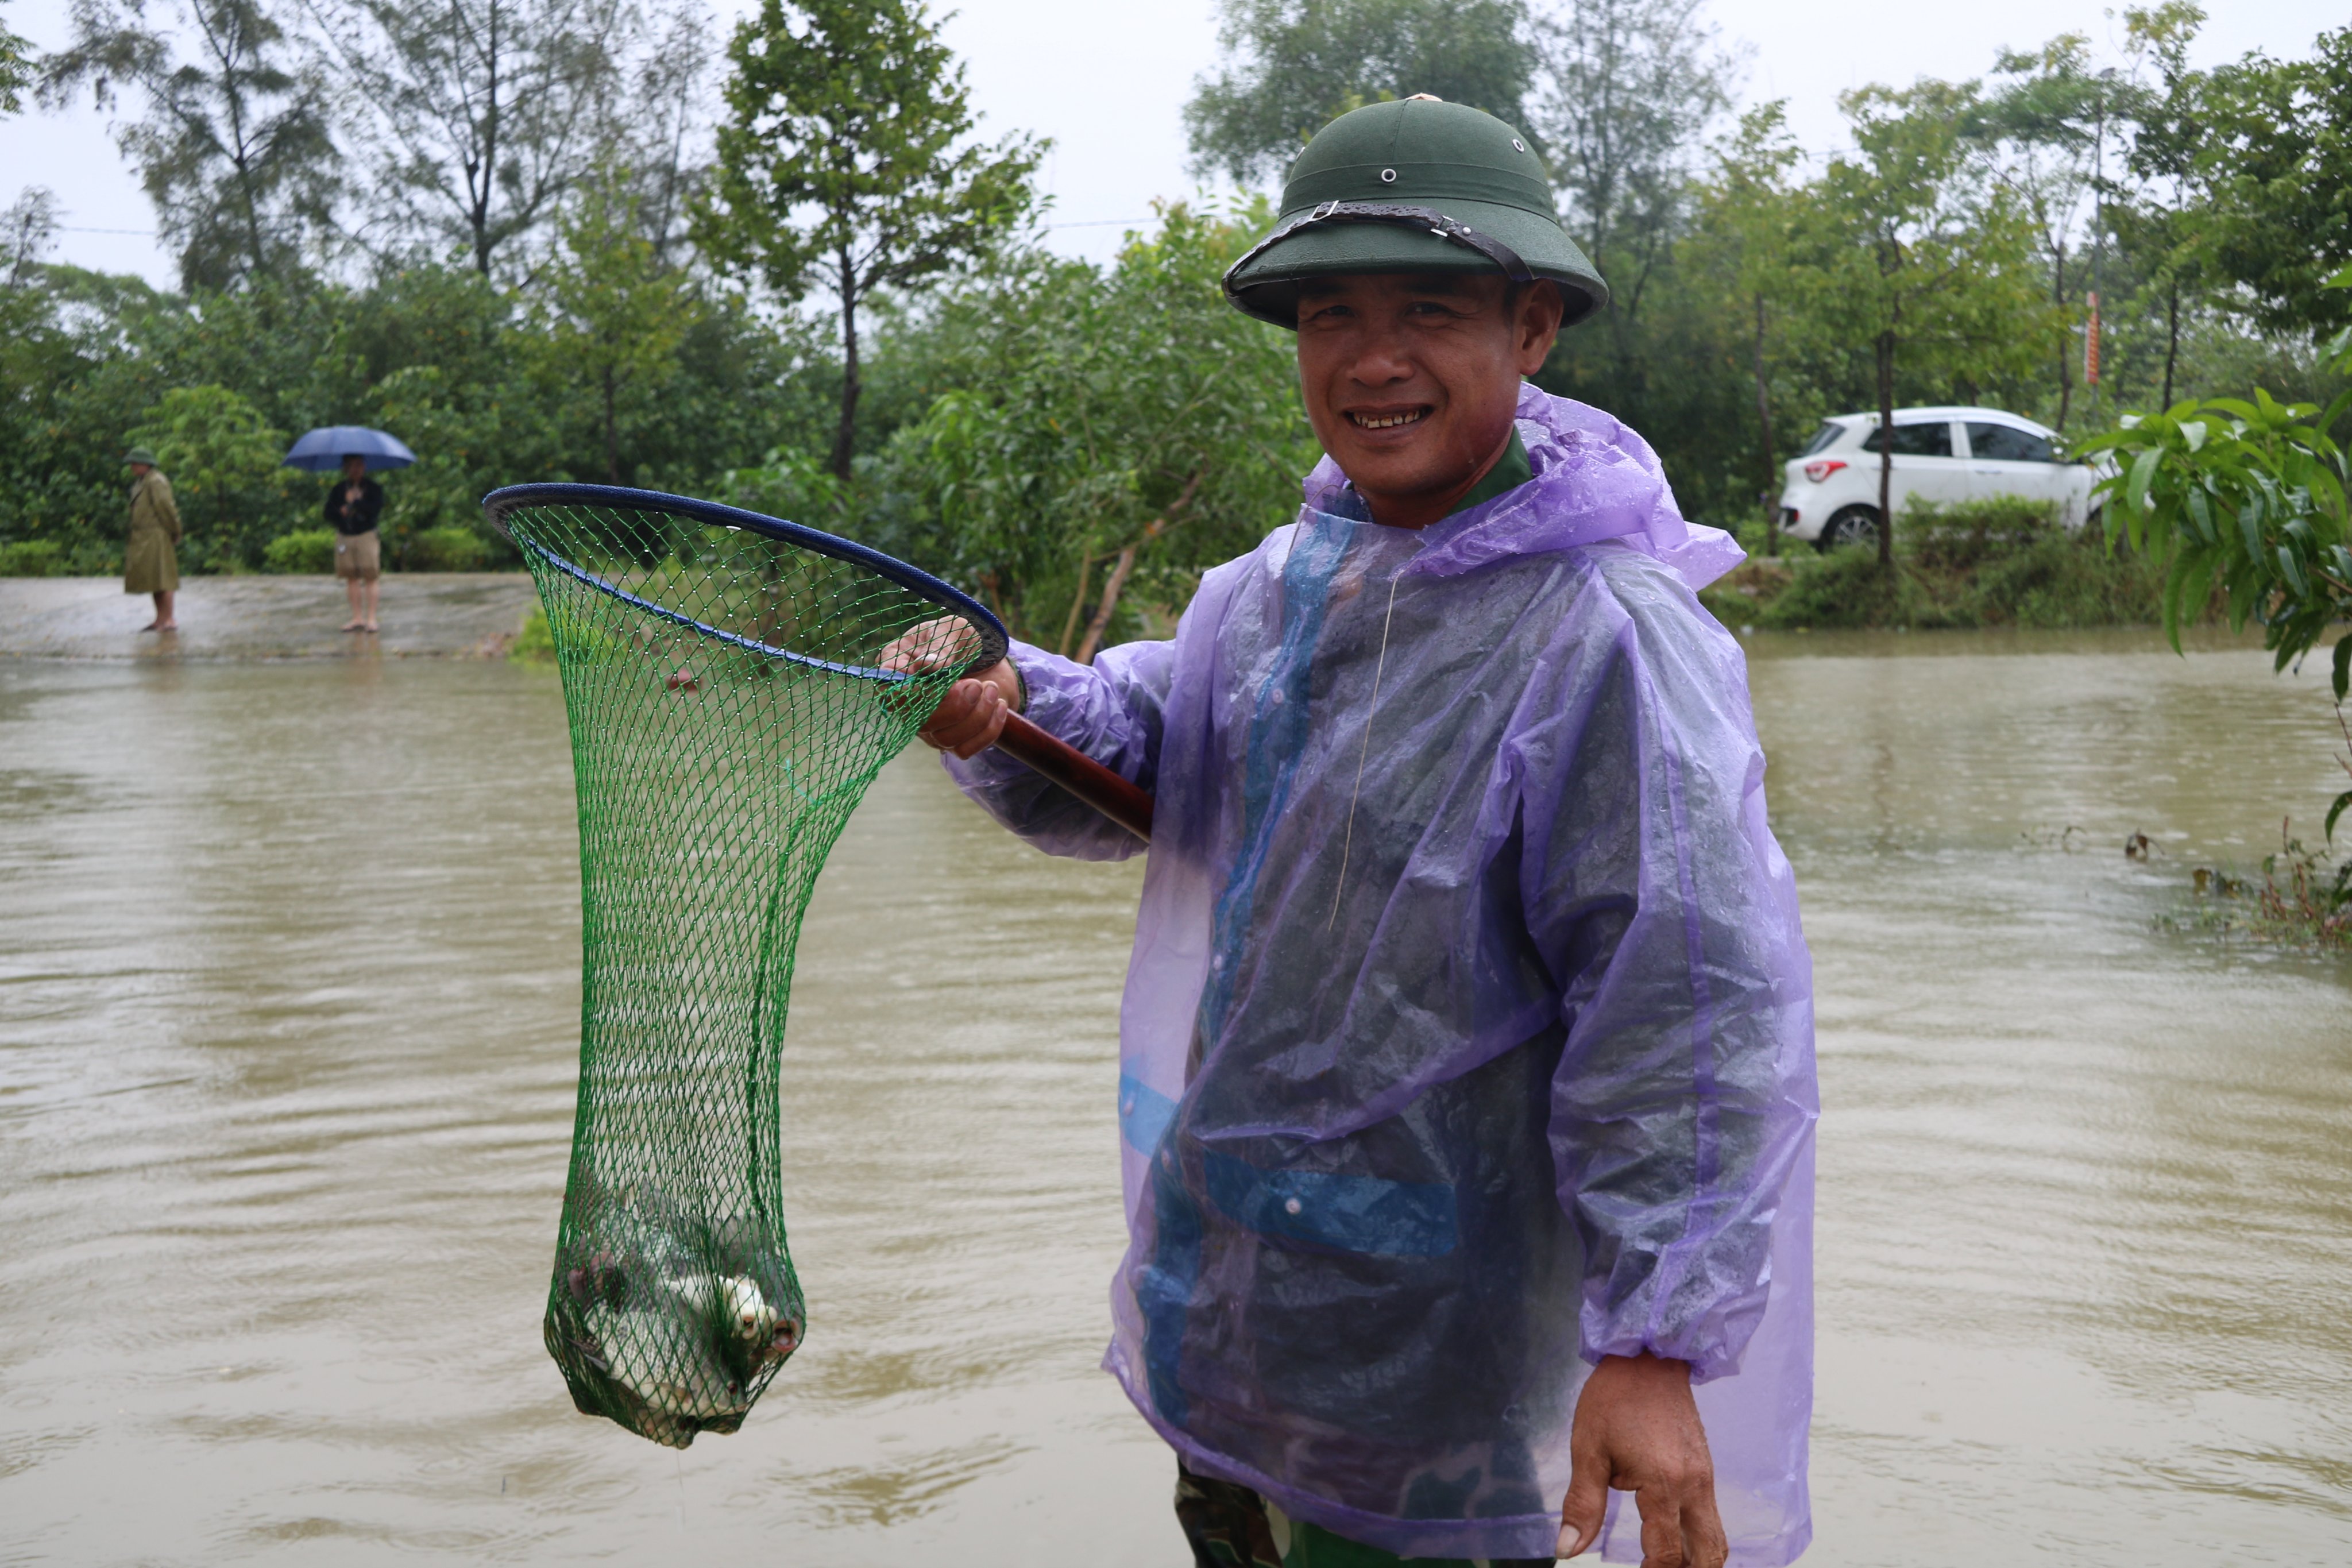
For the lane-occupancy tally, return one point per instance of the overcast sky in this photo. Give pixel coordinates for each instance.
(1107, 81)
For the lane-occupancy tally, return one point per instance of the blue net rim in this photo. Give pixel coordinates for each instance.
(993, 639)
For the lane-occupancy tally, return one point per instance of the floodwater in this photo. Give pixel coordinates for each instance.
(289, 973)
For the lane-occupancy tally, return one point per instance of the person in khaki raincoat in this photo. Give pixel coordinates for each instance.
(151, 562)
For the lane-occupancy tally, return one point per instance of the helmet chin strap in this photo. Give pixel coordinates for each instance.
(1399, 217)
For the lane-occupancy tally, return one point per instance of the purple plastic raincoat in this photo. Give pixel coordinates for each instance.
(1468, 1036)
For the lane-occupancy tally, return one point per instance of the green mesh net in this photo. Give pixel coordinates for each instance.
(723, 678)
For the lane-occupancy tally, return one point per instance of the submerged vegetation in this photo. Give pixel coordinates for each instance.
(2301, 897)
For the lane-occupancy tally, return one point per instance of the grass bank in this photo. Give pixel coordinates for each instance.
(1997, 563)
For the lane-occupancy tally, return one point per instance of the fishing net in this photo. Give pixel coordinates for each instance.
(722, 677)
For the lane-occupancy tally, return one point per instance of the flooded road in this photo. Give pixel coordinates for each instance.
(288, 970)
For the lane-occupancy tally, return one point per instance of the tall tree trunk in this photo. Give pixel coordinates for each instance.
(2065, 376)
(1126, 563)
(2065, 343)
(1101, 623)
(845, 433)
(1077, 604)
(2171, 335)
(1770, 492)
(488, 164)
(1887, 451)
(611, 432)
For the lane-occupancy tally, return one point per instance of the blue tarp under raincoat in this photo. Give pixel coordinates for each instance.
(1468, 1035)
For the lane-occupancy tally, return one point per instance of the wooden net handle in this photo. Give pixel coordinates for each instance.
(1078, 774)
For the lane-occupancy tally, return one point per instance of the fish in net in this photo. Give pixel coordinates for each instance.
(724, 678)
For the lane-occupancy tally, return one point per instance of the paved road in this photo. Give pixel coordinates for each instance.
(423, 614)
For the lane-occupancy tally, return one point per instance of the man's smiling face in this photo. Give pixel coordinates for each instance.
(1410, 380)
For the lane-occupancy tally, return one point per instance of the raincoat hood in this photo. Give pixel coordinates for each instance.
(1594, 480)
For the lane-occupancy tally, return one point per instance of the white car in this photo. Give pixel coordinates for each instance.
(1941, 455)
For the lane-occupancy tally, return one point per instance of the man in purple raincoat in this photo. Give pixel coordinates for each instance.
(1467, 1080)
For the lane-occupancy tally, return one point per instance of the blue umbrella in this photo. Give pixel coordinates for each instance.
(322, 451)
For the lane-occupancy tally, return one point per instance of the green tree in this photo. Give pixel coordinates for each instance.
(1292, 67)
(1919, 261)
(15, 70)
(847, 151)
(480, 116)
(222, 463)
(2047, 129)
(1103, 432)
(233, 147)
(607, 317)
(2263, 145)
(1630, 88)
(2149, 208)
(28, 232)
(1751, 220)
(2249, 498)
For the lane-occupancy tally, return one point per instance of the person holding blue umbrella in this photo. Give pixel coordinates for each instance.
(354, 505)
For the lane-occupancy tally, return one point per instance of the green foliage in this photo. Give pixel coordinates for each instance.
(2003, 561)
(446, 549)
(221, 461)
(304, 550)
(1917, 258)
(609, 318)
(2246, 497)
(234, 146)
(1296, 64)
(15, 75)
(2262, 145)
(33, 557)
(1098, 433)
(847, 158)
(477, 120)
(1751, 219)
(789, 485)
(1628, 88)
(535, 644)
(440, 356)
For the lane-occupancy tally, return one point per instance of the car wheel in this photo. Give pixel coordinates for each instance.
(1853, 525)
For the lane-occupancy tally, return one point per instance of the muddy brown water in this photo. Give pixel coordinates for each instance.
(288, 975)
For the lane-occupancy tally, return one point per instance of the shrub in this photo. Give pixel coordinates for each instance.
(33, 557)
(1842, 589)
(535, 644)
(448, 548)
(304, 550)
(1965, 536)
(2000, 562)
(221, 457)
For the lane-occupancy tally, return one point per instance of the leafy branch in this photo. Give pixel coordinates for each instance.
(2247, 497)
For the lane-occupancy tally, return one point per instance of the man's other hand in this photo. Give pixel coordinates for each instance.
(970, 718)
(1637, 1429)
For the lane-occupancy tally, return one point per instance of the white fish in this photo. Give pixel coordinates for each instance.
(663, 1353)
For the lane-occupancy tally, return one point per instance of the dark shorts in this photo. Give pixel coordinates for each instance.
(1230, 1526)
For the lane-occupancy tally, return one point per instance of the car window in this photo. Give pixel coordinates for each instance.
(2007, 444)
(1822, 438)
(1916, 440)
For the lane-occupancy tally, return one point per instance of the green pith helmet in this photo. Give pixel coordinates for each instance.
(1414, 186)
(140, 455)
